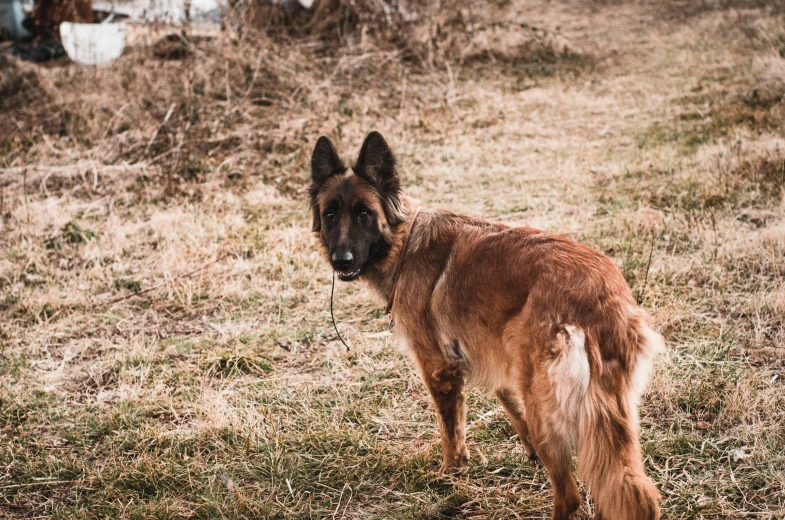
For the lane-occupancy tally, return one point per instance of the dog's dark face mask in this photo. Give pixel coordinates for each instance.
(354, 210)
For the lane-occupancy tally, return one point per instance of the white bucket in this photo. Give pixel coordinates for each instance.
(93, 43)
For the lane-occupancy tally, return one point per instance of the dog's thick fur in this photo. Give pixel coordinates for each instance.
(547, 324)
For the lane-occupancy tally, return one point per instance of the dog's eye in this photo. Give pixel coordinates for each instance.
(329, 216)
(364, 215)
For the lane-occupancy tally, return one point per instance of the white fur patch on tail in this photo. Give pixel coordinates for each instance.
(570, 371)
(651, 345)
(652, 341)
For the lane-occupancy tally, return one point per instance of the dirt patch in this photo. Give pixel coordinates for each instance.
(184, 105)
(22, 93)
(687, 10)
(334, 24)
(178, 45)
(706, 117)
(20, 85)
(517, 48)
(743, 179)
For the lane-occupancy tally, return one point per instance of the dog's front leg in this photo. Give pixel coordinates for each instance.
(445, 382)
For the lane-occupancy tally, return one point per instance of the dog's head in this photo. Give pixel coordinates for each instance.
(355, 210)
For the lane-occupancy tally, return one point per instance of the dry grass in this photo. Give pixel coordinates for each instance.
(166, 345)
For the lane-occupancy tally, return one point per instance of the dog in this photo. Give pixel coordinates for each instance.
(546, 324)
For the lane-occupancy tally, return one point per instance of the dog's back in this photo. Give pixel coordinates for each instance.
(548, 323)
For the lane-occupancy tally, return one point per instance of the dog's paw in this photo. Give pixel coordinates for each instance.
(535, 460)
(454, 466)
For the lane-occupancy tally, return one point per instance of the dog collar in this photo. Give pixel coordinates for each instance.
(400, 261)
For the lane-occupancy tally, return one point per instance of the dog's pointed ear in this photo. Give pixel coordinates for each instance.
(376, 164)
(325, 163)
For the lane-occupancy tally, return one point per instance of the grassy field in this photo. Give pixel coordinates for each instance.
(166, 345)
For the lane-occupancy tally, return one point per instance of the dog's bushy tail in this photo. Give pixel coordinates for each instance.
(609, 454)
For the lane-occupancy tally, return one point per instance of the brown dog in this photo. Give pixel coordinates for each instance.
(547, 324)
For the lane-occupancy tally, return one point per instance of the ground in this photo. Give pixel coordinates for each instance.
(167, 350)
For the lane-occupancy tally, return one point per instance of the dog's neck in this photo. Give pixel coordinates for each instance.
(382, 276)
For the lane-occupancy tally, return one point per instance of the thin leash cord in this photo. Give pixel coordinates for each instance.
(332, 291)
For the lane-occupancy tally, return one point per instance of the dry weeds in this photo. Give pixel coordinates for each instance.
(166, 345)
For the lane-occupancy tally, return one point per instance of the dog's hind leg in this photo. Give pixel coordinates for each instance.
(555, 453)
(445, 382)
(556, 456)
(512, 403)
(554, 398)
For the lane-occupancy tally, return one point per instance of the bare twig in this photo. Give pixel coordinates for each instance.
(646, 278)
(155, 134)
(24, 193)
(43, 483)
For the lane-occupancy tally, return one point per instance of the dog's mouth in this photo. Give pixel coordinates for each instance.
(348, 275)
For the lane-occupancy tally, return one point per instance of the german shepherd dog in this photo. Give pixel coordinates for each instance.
(548, 325)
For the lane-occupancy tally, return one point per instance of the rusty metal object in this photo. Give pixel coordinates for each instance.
(49, 14)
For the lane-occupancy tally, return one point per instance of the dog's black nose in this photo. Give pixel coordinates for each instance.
(342, 259)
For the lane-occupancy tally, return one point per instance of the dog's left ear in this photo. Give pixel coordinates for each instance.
(376, 164)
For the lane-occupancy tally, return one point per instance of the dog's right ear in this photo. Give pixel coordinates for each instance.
(325, 163)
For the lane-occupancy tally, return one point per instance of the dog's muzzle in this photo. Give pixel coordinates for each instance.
(342, 263)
